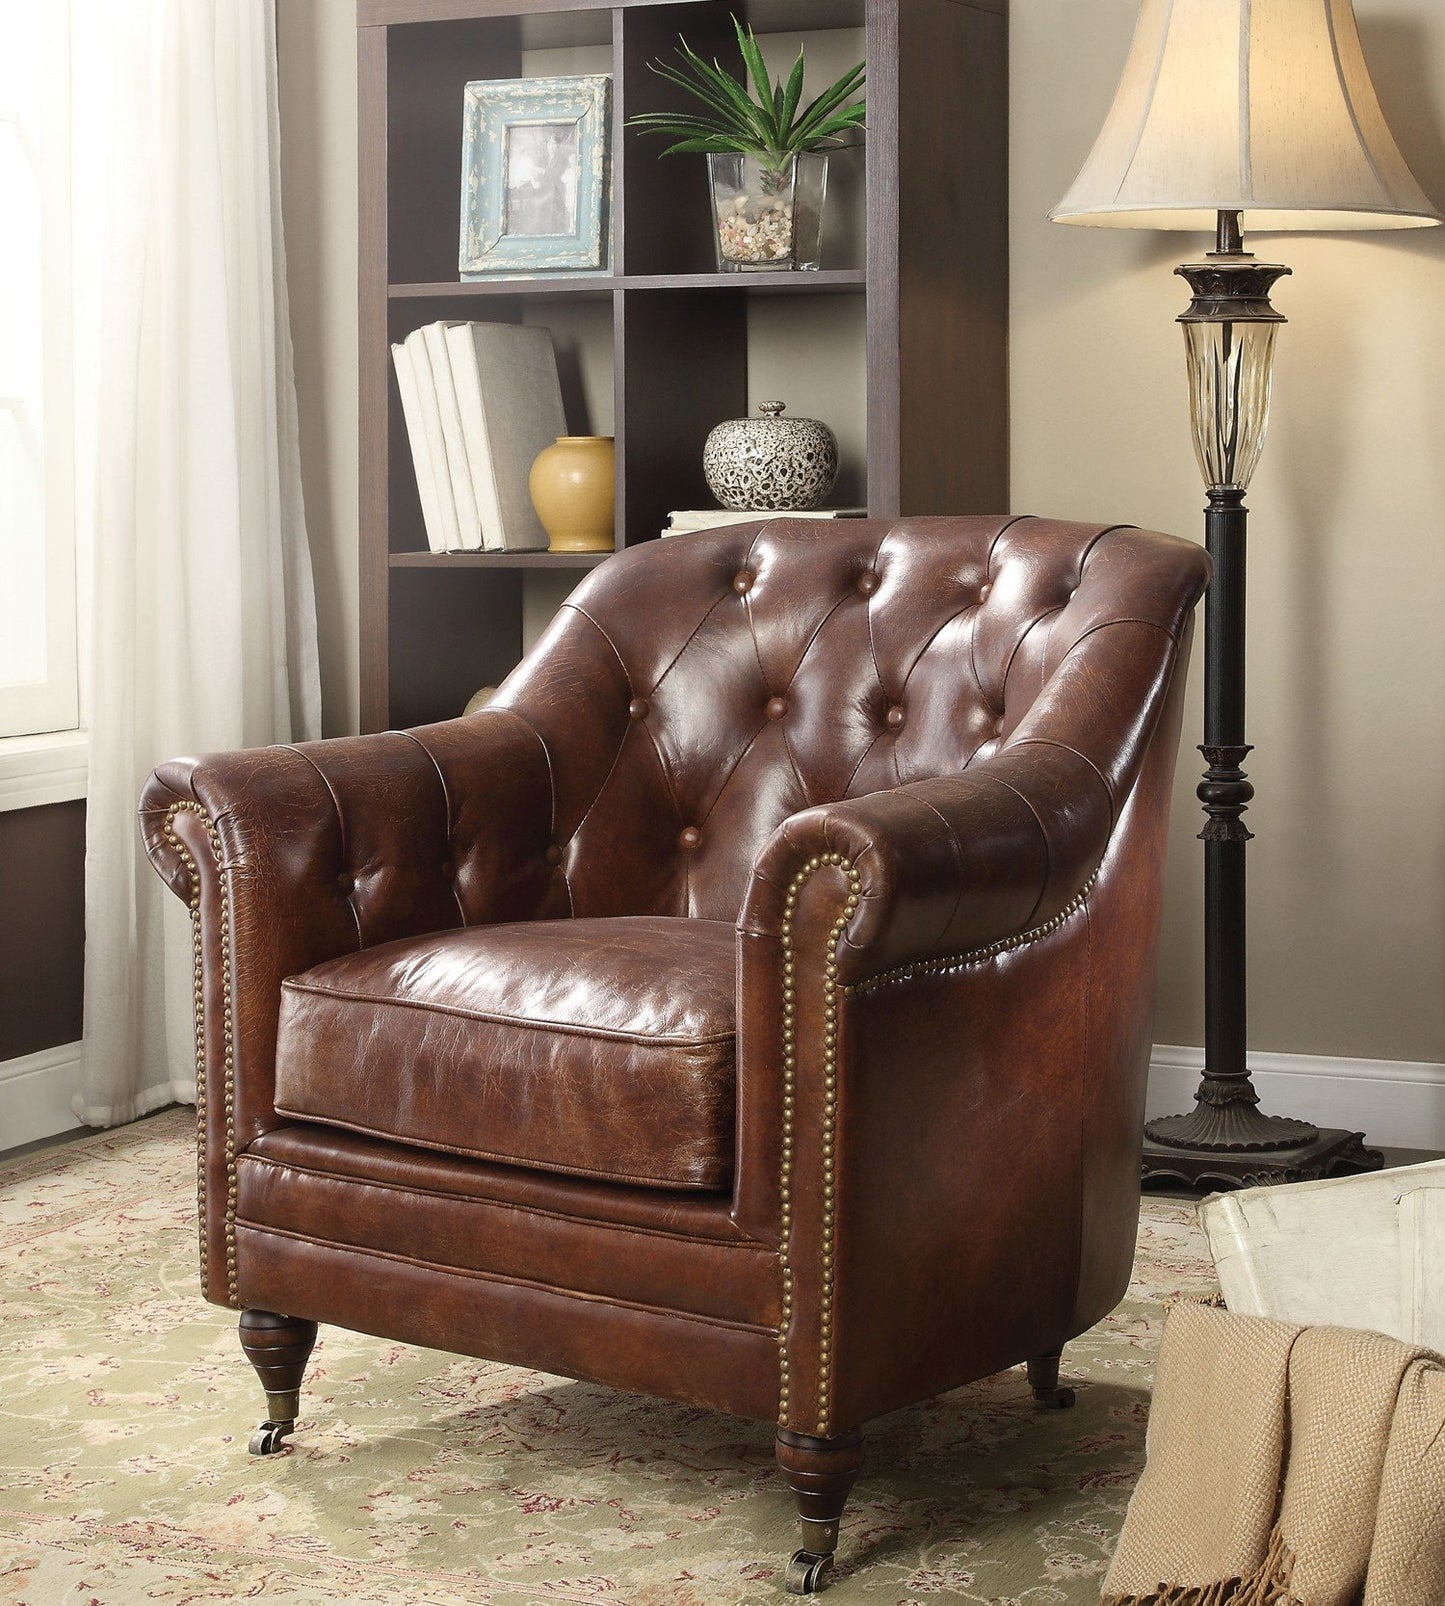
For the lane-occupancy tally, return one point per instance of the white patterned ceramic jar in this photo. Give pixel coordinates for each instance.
(771, 464)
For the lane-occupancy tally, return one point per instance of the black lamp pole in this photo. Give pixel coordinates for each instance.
(1226, 1139)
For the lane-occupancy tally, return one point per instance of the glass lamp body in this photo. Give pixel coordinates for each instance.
(1230, 366)
(1229, 333)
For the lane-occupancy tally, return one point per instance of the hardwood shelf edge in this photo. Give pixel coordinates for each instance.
(602, 285)
(496, 560)
(827, 280)
(387, 13)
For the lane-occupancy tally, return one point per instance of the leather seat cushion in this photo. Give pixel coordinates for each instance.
(597, 1048)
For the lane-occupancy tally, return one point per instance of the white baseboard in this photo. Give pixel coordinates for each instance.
(1400, 1103)
(35, 1095)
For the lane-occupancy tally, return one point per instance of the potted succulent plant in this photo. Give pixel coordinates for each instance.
(767, 152)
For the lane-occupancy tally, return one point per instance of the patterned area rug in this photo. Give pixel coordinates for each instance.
(125, 1406)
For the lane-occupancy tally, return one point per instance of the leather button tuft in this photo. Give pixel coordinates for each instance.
(638, 708)
(983, 591)
(896, 717)
(868, 582)
(554, 854)
(449, 870)
(690, 837)
(742, 583)
(777, 707)
(345, 885)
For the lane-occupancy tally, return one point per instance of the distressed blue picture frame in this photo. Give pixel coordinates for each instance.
(536, 175)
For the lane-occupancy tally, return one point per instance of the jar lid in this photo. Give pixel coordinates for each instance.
(771, 412)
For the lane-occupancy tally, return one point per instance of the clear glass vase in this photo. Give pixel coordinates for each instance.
(768, 218)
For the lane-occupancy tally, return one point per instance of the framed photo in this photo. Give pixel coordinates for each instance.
(536, 175)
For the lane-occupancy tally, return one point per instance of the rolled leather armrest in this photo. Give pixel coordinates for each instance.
(955, 864)
(894, 1122)
(379, 836)
(290, 856)
(853, 891)
(945, 866)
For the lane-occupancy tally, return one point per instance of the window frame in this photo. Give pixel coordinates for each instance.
(35, 709)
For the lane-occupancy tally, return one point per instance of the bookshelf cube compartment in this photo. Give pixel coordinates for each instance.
(811, 352)
(449, 632)
(581, 325)
(428, 66)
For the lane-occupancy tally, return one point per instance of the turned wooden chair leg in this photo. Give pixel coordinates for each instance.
(820, 1472)
(1044, 1381)
(278, 1347)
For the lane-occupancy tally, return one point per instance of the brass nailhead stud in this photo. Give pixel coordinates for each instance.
(828, 1132)
(228, 1066)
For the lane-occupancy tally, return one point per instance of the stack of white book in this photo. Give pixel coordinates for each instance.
(1365, 1251)
(690, 521)
(480, 401)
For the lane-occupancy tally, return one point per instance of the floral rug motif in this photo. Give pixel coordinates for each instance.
(418, 1477)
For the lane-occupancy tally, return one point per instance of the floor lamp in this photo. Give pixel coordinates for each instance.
(1261, 110)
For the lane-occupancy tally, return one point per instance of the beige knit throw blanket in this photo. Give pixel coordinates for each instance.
(1287, 1466)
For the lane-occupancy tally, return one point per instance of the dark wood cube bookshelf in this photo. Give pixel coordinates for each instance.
(927, 271)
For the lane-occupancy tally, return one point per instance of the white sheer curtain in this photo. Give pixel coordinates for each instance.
(203, 618)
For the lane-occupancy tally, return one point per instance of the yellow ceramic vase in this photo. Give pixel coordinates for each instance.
(572, 489)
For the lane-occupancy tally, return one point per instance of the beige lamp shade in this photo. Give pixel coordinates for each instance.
(1259, 106)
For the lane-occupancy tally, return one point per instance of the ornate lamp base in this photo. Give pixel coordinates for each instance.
(1264, 1149)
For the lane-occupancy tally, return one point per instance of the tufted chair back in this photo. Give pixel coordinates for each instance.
(696, 692)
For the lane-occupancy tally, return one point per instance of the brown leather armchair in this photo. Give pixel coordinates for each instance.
(751, 1006)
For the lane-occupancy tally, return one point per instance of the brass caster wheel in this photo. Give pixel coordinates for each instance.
(270, 1437)
(1059, 1399)
(807, 1573)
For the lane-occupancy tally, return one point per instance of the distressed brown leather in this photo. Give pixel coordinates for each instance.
(566, 1045)
(889, 802)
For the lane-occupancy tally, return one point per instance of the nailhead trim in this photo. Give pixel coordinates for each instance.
(831, 993)
(228, 1078)
(951, 964)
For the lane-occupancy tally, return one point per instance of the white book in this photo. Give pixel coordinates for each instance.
(426, 484)
(689, 521)
(467, 384)
(436, 449)
(1360, 1251)
(458, 469)
(510, 400)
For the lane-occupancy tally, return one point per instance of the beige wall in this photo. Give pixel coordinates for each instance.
(1347, 568)
(1347, 577)
(316, 47)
